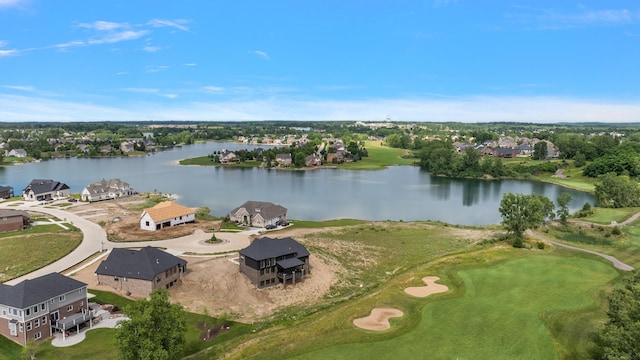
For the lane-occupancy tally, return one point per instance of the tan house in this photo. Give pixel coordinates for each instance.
(166, 214)
(258, 213)
(139, 272)
(105, 190)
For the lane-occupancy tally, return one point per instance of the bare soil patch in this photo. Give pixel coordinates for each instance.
(121, 220)
(378, 319)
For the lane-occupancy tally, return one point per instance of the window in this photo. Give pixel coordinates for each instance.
(15, 312)
(81, 303)
(35, 309)
(158, 279)
(37, 335)
(115, 278)
(146, 223)
(61, 298)
(43, 306)
(70, 308)
(28, 325)
(36, 322)
(20, 327)
(44, 320)
(27, 312)
(4, 312)
(52, 301)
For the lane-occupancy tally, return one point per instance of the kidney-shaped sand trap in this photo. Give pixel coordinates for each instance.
(431, 288)
(378, 320)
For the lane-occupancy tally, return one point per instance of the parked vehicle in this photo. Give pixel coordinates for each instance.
(283, 223)
(270, 227)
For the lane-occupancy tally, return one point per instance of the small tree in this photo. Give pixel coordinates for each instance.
(156, 329)
(30, 349)
(563, 202)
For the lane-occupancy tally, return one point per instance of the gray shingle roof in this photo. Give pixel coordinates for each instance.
(266, 248)
(13, 212)
(107, 185)
(266, 209)
(143, 264)
(34, 291)
(40, 186)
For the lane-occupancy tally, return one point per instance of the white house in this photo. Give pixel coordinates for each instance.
(106, 189)
(166, 214)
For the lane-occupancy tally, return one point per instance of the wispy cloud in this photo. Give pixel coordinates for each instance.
(441, 3)
(19, 87)
(155, 68)
(141, 90)
(178, 24)
(6, 53)
(151, 49)
(550, 19)
(191, 64)
(431, 109)
(12, 3)
(213, 89)
(262, 54)
(120, 73)
(104, 25)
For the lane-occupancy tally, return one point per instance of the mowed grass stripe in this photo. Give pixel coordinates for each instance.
(499, 315)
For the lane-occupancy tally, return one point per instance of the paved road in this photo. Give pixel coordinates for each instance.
(95, 240)
(616, 263)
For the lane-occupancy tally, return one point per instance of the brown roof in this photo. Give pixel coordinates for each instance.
(167, 210)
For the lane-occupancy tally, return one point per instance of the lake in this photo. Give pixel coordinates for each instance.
(398, 193)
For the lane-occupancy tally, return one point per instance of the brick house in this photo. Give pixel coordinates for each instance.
(166, 214)
(36, 308)
(139, 272)
(258, 213)
(267, 262)
(284, 160)
(6, 192)
(11, 220)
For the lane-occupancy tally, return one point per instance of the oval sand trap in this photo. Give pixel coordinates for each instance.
(431, 288)
(378, 320)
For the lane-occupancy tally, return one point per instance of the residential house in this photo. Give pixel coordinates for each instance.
(19, 153)
(11, 220)
(267, 262)
(36, 308)
(524, 150)
(139, 272)
(284, 160)
(503, 152)
(45, 190)
(127, 146)
(84, 148)
(105, 190)
(6, 192)
(258, 213)
(105, 149)
(227, 156)
(313, 160)
(166, 214)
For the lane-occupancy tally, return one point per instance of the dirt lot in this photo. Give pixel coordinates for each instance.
(212, 283)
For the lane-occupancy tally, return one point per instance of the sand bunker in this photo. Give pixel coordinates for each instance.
(378, 320)
(431, 288)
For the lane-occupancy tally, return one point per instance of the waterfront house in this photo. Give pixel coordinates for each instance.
(139, 272)
(6, 192)
(45, 190)
(11, 220)
(165, 214)
(258, 213)
(105, 190)
(19, 153)
(284, 160)
(36, 308)
(267, 262)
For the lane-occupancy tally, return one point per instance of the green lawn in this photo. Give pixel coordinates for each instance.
(607, 215)
(24, 251)
(501, 313)
(380, 157)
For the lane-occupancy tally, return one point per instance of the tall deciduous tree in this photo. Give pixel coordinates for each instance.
(540, 150)
(521, 212)
(617, 191)
(563, 203)
(156, 329)
(619, 338)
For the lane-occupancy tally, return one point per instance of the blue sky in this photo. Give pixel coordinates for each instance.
(434, 60)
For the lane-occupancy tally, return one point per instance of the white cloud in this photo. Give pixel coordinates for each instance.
(213, 89)
(119, 73)
(10, 3)
(156, 68)
(151, 49)
(178, 24)
(549, 19)
(462, 109)
(119, 36)
(18, 87)
(262, 54)
(191, 64)
(104, 25)
(6, 53)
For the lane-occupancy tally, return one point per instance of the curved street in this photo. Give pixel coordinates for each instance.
(94, 240)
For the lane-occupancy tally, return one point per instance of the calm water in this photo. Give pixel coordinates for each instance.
(398, 193)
